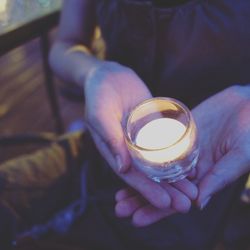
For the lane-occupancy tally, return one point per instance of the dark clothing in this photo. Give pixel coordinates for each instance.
(188, 52)
(168, 3)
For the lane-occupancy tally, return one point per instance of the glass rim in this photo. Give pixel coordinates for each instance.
(138, 106)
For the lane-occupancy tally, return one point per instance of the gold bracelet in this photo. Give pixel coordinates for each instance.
(79, 48)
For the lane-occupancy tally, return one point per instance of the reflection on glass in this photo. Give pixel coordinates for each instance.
(161, 136)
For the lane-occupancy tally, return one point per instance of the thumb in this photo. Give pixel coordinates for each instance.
(108, 135)
(224, 172)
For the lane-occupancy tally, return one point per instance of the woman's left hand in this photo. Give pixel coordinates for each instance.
(223, 123)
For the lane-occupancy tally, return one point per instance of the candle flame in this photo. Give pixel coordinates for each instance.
(161, 139)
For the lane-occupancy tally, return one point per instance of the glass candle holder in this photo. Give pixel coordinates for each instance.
(161, 136)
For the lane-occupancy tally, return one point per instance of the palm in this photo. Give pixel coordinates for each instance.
(111, 92)
(223, 123)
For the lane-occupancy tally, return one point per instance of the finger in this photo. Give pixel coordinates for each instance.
(127, 207)
(179, 201)
(149, 189)
(227, 170)
(187, 187)
(149, 214)
(109, 129)
(124, 193)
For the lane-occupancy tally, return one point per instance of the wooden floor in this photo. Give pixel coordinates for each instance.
(24, 105)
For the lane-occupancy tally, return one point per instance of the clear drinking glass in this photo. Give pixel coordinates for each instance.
(161, 136)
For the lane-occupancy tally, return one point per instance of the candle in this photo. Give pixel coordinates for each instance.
(160, 138)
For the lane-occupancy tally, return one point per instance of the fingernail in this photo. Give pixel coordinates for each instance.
(119, 163)
(205, 202)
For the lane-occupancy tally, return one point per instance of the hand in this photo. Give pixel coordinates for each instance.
(224, 130)
(130, 203)
(223, 123)
(111, 92)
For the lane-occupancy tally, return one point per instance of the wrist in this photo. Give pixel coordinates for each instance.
(87, 64)
(94, 68)
(78, 48)
(101, 70)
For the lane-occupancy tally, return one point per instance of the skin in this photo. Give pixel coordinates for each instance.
(224, 134)
(222, 121)
(107, 87)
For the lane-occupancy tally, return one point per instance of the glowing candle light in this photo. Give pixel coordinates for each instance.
(160, 137)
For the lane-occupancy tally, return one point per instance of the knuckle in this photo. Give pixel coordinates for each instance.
(183, 205)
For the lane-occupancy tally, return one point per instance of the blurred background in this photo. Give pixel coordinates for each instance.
(32, 100)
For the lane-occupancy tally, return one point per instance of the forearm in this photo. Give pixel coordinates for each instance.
(72, 63)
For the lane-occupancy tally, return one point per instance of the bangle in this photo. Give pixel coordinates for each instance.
(79, 48)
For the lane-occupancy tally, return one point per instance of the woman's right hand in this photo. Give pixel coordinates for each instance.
(111, 92)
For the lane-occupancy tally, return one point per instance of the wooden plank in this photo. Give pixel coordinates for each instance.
(22, 85)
